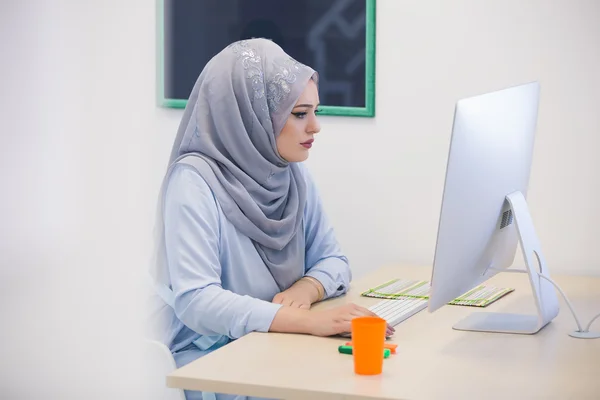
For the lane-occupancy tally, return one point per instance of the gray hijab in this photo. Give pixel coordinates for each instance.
(237, 108)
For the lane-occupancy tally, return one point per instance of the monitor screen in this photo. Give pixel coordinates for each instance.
(328, 35)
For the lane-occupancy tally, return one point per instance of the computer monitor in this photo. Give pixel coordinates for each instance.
(484, 213)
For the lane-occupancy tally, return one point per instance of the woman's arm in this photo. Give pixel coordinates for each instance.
(324, 258)
(192, 243)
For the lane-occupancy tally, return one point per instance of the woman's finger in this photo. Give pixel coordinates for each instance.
(344, 327)
(277, 299)
(366, 311)
(287, 301)
(297, 304)
(362, 310)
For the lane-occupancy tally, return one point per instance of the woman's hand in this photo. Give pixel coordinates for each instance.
(301, 294)
(330, 322)
(338, 320)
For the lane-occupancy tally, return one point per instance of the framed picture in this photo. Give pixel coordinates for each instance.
(335, 37)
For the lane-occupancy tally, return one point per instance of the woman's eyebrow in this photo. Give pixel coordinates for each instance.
(305, 106)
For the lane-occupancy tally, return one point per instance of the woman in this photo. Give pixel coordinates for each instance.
(244, 243)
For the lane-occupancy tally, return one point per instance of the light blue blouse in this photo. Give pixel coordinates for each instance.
(222, 288)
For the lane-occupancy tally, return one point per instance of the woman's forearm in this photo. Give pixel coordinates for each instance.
(292, 320)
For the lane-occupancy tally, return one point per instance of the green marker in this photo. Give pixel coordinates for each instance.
(348, 350)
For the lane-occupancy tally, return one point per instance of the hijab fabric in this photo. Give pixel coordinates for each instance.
(237, 108)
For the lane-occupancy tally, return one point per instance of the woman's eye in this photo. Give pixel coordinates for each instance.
(300, 114)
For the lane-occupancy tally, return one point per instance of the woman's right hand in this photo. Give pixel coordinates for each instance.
(337, 320)
(334, 321)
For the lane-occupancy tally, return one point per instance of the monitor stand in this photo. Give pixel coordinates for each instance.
(543, 292)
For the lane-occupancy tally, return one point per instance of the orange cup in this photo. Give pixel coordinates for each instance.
(368, 338)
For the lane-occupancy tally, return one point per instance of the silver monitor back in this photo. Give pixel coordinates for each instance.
(490, 157)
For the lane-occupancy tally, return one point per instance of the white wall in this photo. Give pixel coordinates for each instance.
(382, 179)
(84, 148)
(75, 113)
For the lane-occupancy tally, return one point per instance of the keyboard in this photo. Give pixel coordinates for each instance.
(395, 311)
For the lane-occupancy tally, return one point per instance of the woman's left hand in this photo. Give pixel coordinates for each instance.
(301, 294)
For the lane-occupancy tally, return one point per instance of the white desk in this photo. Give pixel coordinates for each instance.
(433, 360)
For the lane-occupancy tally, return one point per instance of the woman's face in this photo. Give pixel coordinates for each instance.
(297, 135)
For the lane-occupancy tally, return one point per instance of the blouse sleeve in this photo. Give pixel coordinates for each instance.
(192, 238)
(324, 258)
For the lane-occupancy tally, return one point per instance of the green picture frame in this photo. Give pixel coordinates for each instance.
(367, 111)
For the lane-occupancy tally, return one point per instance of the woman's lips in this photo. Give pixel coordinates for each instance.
(308, 143)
